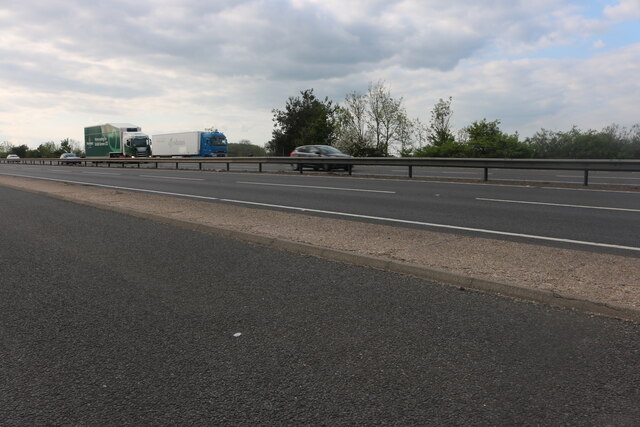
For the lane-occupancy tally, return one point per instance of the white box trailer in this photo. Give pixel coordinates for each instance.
(176, 144)
(188, 144)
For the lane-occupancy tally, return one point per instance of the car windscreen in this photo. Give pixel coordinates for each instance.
(329, 150)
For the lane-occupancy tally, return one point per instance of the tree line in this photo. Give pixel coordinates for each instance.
(376, 124)
(45, 150)
(243, 148)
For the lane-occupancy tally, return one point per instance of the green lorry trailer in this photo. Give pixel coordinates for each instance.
(116, 140)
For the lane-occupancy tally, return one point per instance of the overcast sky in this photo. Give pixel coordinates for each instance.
(169, 65)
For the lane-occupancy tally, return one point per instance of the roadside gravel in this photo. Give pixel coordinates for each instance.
(612, 280)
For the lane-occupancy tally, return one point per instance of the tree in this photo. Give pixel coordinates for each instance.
(439, 125)
(352, 130)
(20, 150)
(47, 149)
(5, 148)
(406, 135)
(244, 148)
(485, 139)
(65, 146)
(386, 115)
(305, 120)
(372, 124)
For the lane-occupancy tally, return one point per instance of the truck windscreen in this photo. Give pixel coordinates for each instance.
(140, 142)
(218, 140)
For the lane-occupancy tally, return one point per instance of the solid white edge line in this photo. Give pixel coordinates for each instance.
(344, 214)
(117, 187)
(429, 224)
(557, 204)
(316, 187)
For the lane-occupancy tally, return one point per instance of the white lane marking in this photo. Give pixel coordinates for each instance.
(102, 173)
(317, 187)
(564, 205)
(429, 224)
(445, 172)
(173, 177)
(597, 177)
(350, 215)
(115, 187)
(463, 173)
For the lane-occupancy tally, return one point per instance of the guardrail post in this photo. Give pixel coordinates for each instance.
(410, 171)
(586, 177)
(350, 168)
(200, 165)
(176, 165)
(228, 167)
(486, 174)
(156, 165)
(259, 167)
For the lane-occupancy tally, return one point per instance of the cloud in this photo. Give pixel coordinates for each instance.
(625, 10)
(599, 44)
(180, 64)
(283, 39)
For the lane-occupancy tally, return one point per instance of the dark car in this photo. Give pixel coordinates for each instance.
(69, 159)
(318, 151)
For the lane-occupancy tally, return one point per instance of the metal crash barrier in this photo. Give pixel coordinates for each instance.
(585, 165)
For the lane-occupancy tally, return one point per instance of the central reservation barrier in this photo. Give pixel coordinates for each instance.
(584, 165)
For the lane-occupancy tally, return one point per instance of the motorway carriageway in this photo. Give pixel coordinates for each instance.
(598, 220)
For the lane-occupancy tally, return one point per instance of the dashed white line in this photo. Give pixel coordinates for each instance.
(564, 205)
(316, 187)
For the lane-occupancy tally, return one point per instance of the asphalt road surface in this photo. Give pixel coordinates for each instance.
(605, 221)
(114, 320)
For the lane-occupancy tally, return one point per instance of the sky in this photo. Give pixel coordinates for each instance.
(173, 66)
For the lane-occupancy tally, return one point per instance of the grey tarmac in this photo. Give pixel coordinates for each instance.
(115, 319)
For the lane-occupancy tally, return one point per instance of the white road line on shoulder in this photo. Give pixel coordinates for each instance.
(564, 205)
(172, 177)
(316, 187)
(449, 227)
(349, 215)
(116, 187)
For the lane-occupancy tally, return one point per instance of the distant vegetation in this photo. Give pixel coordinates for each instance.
(47, 149)
(376, 124)
(50, 149)
(245, 148)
